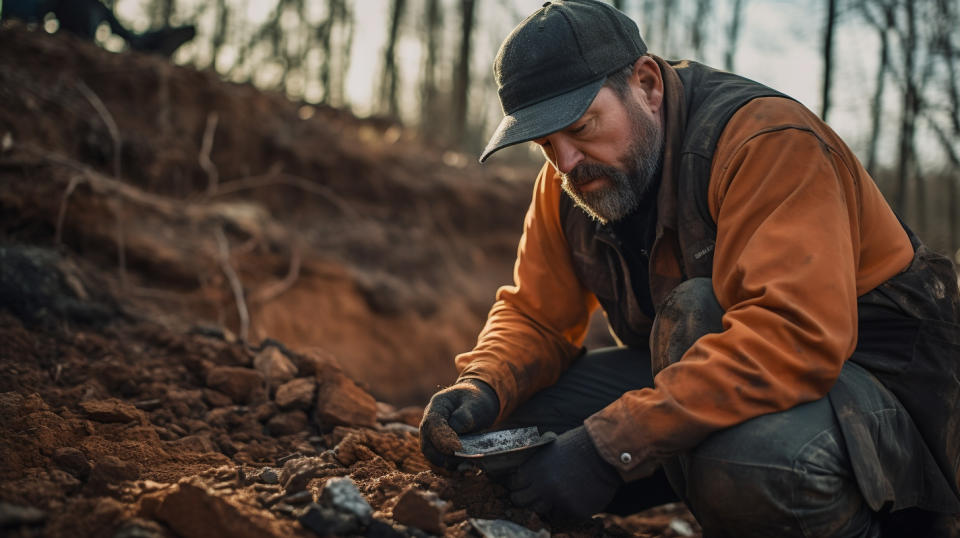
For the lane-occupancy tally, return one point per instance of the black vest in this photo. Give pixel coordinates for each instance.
(711, 97)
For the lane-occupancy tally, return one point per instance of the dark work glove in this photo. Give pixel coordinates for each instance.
(566, 479)
(467, 406)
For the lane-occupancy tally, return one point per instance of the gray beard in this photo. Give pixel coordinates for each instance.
(627, 188)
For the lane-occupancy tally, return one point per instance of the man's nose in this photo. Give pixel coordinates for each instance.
(567, 155)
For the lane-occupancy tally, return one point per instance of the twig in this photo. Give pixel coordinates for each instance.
(224, 249)
(108, 121)
(266, 180)
(273, 290)
(61, 215)
(213, 176)
(121, 244)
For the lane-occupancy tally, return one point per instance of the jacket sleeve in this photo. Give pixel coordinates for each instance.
(537, 325)
(787, 211)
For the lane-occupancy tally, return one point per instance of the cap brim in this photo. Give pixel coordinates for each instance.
(543, 118)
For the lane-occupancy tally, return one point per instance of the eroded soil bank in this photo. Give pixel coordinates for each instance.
(189, 353)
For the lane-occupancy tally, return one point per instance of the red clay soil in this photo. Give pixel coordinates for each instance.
(355, 262)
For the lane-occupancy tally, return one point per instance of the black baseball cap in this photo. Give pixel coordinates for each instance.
(552, 65)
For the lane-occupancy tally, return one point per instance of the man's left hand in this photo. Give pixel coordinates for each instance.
(566, 478)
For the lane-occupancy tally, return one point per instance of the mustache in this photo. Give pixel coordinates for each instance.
(586, 172)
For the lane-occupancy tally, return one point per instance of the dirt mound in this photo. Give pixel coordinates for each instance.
(344, 234)
(206, 289)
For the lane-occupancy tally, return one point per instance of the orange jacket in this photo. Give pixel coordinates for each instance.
(802, 231)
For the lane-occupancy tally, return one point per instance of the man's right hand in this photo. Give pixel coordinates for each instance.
(467, 406)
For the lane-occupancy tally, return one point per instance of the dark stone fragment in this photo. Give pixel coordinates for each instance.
(140, 528)
(327, 521)
(12, 515)
(342, 493)
(269, 475)
(382, 529)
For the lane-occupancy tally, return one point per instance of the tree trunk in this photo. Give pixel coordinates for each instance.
(428, 89)
(828, 28)
(698, 27)
(876, 111)
(733, 34)
(461, 80)
(906, 145)
(388, 79)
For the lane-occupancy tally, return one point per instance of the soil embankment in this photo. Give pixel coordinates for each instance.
(208, 295)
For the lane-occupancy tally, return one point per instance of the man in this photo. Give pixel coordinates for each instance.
(790, 351)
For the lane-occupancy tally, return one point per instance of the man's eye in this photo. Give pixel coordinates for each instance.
(577, 130)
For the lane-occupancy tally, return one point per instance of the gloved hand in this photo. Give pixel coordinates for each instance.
(565, 479)
(467, 406)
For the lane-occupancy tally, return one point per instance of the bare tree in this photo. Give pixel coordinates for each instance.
(698, 26)
(461, 77)
(828, 29)
(389, 75)
(733, 33)
(432, 38)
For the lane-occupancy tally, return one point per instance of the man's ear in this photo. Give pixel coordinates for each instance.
(647, 82)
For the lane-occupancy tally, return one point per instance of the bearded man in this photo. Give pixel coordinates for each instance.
(789, 352)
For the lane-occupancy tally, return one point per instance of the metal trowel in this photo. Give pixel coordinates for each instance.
(502, 450)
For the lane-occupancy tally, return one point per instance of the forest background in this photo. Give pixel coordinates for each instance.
(883, 73)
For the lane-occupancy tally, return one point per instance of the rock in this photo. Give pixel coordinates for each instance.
(342, 494)
(12, 515)
(383, 529)
(242, 385)
(296, 394)
(148, 405)
(196, 443)
(193, 510)
(411, 415)
(111, 410)
(297, 473)
(287, 423)
(329, 522)
(264, 411)
(140, 528)
(269, 475)
(73, 461)
(300, 497)
(501, 528)
(215, 398)
(340, 401)
(276, 368)
(110, 470)
(421, 509)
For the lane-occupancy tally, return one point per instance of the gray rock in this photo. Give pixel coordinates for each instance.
(269, 475)
(327, 521)
(12, 515)
(140, 528)
(342, 494)
(501, 528)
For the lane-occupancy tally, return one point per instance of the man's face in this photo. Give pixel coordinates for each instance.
(609, 158)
